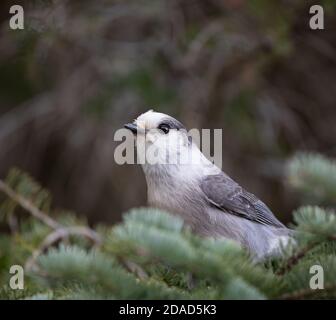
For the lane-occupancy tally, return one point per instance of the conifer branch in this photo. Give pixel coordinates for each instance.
(307, 293)
(28, 206)
(151, 254)
(60, 232)
(134, 268)
(293, 260)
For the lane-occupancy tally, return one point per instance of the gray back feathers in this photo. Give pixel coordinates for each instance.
(227, 195)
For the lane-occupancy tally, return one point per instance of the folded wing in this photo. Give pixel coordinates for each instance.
(227, 195)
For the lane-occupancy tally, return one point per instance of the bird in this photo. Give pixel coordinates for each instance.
(182, 181)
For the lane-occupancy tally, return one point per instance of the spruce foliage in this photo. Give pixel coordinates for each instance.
(151, 255)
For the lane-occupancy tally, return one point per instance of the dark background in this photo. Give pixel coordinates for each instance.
(81, 69)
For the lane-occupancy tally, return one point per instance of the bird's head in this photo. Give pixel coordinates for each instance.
(164, 138)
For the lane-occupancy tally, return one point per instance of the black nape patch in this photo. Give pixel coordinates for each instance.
(173, 124)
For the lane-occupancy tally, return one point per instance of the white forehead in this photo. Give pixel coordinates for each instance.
(150, 119)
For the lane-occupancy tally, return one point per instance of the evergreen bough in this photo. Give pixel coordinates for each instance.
(151, 255)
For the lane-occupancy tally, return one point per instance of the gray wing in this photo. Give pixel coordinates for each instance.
(229, 196)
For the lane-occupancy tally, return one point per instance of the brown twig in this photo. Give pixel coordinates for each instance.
(292, 261)
(306, 293)
(28, 206)
(134, 268)
(57, 235)
(60, 231)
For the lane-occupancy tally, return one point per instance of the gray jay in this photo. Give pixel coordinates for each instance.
(207, 199)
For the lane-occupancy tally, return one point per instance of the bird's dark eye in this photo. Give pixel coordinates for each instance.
(164, 127)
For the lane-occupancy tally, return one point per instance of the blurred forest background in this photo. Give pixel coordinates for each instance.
(81, 69)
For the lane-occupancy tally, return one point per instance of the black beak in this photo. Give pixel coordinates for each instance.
(132, 127)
